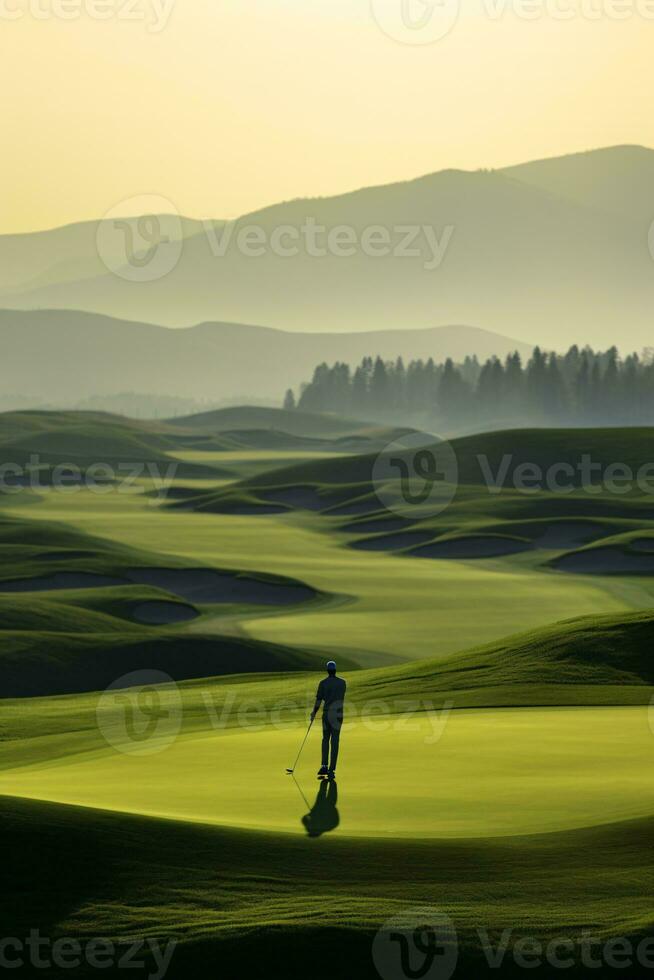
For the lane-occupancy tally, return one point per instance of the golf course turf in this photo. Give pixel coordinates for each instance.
(496, 753)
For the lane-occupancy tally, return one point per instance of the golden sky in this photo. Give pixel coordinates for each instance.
(222, 106)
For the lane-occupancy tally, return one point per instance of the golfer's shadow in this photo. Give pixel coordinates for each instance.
(323, 815)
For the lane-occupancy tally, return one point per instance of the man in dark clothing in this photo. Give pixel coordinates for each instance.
(331, 693)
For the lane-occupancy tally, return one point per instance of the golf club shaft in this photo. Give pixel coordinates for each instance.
(302, 746)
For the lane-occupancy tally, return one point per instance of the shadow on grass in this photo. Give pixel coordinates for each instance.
(323, 816)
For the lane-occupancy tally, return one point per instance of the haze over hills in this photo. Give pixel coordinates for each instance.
(542, 251)
(618, 179)
(38, 259)
(61, 357)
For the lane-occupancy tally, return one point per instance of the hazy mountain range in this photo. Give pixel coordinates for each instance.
(548, 252)
(64, 357)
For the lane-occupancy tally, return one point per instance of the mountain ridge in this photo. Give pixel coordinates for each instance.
(538, 251)
(86, 354)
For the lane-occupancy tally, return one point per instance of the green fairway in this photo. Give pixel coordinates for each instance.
(385, 607)
(526, 771)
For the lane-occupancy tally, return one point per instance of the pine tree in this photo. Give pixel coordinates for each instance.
(379, 387)
(454, 395)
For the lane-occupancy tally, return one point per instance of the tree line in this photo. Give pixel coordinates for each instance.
(580, 387)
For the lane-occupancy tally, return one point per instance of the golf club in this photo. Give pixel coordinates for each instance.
(291, 771)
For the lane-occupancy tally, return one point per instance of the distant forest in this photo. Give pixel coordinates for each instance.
(581, 387)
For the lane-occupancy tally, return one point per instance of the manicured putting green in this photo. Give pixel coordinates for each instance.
(491, 773)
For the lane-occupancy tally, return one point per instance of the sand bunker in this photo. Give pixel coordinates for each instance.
(64, 555)
(197, 585)
(393, 542)
(607, 561)
(642, 544)
(377, 524)
(252, 510)
(156, 613)
(204, 585)
(61, 580)
(304, 498)
(473, 546)
(357, 507)
(179, 493)
(569, 534)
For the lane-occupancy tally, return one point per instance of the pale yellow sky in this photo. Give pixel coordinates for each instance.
(222, 106)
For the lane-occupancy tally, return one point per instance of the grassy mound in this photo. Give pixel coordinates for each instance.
(34, 663)
(77, 611)
(87, 438)
(347, 488)
(296, 423)
(600, 651)
(249, 901)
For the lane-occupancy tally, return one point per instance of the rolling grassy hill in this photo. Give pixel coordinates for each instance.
(550, 829)
(256, 427)
(589, 663)
(488, 468)
(496, 754)
(87, 438)
(389, 599)
(310, 425)
(93, 869)
(77, 611)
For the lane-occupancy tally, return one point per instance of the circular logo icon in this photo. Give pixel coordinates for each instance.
(416, 476)
(420, 942)
(416, 21)
(140, 713)
(144, 246)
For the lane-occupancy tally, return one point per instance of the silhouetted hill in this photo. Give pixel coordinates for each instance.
(62, 357)
(537, 251)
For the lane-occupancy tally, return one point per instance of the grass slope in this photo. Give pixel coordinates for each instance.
(247, 417)
(543, 447)
(385, 607)
(85, 438)
(78, 639)
(583, 662)
(527, 771)
(600, 651)
(249, 901)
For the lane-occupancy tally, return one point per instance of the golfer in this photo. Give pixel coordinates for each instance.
(331, 693)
